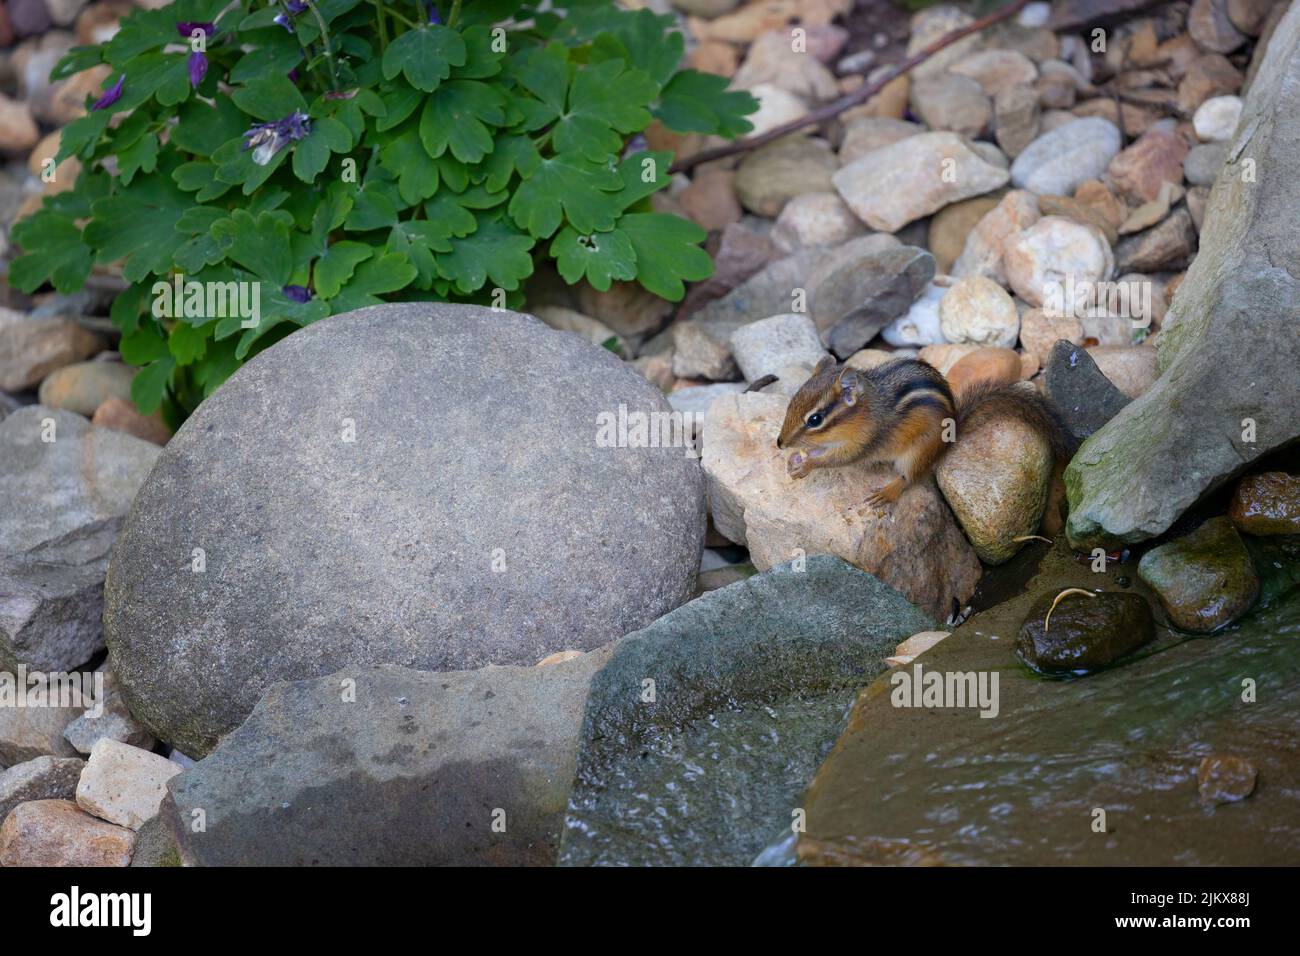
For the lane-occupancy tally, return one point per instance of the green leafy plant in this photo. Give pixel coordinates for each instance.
(340, 153)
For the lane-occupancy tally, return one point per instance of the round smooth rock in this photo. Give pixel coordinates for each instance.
(978, 310)
(1216, 119)
(434, 486)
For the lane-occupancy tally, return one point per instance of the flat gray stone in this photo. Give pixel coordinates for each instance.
(413, 771)
(45, 778)
(48, 488)
(1057, 162)
(475, 519)
(1081, 392)
(1228, 350)
(52, 600)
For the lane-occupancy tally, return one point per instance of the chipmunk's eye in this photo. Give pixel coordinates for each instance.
(814, 419)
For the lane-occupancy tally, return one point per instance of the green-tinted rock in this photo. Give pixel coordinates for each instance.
(750, 686)
(1084, 633)
(1204, 579)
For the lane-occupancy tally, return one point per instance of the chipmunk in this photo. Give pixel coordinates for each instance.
(896, 413)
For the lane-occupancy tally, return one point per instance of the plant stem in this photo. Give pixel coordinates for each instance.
(325, 42)
(454, 16)
(379, 19)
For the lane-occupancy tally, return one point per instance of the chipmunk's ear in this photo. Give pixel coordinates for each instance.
(825, 364)
(848, 383)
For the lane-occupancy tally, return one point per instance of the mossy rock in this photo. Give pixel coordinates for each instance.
(1205, 580)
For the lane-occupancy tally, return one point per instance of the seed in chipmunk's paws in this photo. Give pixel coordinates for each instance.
(797, 465)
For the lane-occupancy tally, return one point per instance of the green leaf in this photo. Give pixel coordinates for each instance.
(140, 156)
(566, 186)
(494, 251)
(374, 277)
(150, 384)
(138, 225)
(53, 251)
(600, 257)
(545, 73)
(202, 129)
(144, 345)
(269, 97)
(311, 155)
(188, 343)
(406, 159)
(643, 174)
(695, 102)
(80, 134)
(512, 154)
(481, 60)
(259, 244)
(604, 101)
(456, 117)
(667, 251)
(425, 56)
(335, 267)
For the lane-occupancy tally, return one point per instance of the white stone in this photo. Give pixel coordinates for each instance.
(920, 324)
(1057, 258)
(979, 311)
(775, 108)
(124, 784)
(1216, 119)
(815, 219)
(982, 255)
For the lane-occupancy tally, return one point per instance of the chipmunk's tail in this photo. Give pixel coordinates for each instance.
(986, 400)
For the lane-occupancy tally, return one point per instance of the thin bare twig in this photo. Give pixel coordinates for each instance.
(860, 95)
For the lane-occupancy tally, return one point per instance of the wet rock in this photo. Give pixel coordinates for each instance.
(1205, 579)
(1170, 245)
(915, 646)
(1266, 504)
(702, 344)
(1204, 163)
(1211, 28)
(949, 101)
(52, 599)
(120, 415)
(781, 651)
(815, 219)
(866, 133)
(913, 546)
(31, 349)
(979, 311)
(857, 289)
(1084, 633)
(1059, 161)
(1210, 75)
(50, 488)
(1216, 118)
(998, 366)
(45, 778)
(1155, 158)
(1041, 261)
(1015, 119)
(1040, 331)
(1083, 395)
(951, 226)
(904, 181)
(769, 345)
(284, 560)
(772, 175)
(983, 251)
(362, 788)
(58, 833)
(995, 479)
(920, 324)
(123, 784)
(1225, 778)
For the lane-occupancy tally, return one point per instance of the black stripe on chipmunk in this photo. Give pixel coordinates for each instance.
(929, 398)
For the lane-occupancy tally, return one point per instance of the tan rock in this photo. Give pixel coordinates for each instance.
(776, 107)
(1211, 74)
(995, 366)
(124, 784)
(982, 253)
(889, 103)
(626, 307)
(979, 311)
(1155, 158)
(31, 349)
(914, 646)
(932, 23)
(866, 133)
(18, 130)
(951, 226)
(58, 833)
(559, 657)
(1149, 213)
(657, 369)
(917, 176)
(996, 479)
(98, 23)
(1039, 332)
(869, 358)
(1137, 119)
(65, 101)
(998, 70)
(948, 101)
(772, 59)
(944, 357)
(1211, 28)
(1041, 261)
(772, 175)
(710, 200)
(1094, 193)
(714, 56)
(912, 546)
(84, 386)
(1016, 119)
(1132, 369)
(1071, 208)
(815, 219)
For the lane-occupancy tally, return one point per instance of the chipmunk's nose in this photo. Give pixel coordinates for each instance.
(778, 442)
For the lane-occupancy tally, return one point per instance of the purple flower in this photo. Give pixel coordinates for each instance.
(297, 293)
(294, 7)
(267, 139)
(198, 62)
(434, 19)
(111, 95)
(283, 21)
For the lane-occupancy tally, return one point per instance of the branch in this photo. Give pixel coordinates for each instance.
(860, 95)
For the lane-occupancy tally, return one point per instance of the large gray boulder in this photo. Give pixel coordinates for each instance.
(413, 484)
(1230, 346)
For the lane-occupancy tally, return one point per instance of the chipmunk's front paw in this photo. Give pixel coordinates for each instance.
(798, 465)
(886, 495)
